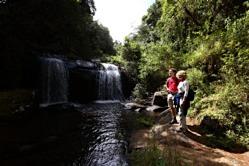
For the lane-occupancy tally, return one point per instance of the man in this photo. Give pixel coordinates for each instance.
(171, 87)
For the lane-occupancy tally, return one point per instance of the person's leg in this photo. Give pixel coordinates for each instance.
(183, 123)
(177, 103)
(183, 114)
(172, 108)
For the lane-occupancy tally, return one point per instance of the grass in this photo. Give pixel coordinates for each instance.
(135, 121)
(153, 156)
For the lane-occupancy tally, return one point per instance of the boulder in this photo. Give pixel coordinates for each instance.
(155, 108)
(164, 117)
(133, 106)
(160, 99)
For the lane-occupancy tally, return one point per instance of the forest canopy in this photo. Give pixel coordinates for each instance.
(30, 28)
(59, 26)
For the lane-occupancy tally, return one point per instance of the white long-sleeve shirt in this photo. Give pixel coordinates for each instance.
(183, 87)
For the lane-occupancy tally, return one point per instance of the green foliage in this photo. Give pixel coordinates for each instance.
(147, 30)
(228, 142)
(117, 58)
(208, 54)
(131, 54)
(61, 26)
(101, 41)
(236, 58)
(196, 78)
(230, 107)
(156, 59)
(242, 138)
(210, 40)
(131, 51)
(139, 91)
(59, 30)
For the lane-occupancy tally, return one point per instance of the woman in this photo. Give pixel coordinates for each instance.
(183, 89)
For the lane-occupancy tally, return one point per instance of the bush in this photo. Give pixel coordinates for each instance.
(196, 78)
(139, 91)
(230, 107)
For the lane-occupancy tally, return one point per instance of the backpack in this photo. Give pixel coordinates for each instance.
(191, 94)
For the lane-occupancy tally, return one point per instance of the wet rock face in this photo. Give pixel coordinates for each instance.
(82, 85)
(81, 64)
(82, 80)
(127, 84)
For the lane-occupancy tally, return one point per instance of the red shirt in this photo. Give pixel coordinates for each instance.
(172, 83)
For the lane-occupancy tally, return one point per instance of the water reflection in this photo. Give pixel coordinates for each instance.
(89, 135)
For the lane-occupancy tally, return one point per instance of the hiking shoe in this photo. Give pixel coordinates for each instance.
(174, 121)
(181, 129)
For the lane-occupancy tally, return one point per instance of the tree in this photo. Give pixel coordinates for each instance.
(30, 28)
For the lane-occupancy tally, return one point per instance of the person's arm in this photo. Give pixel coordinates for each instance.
(186, 86)
(166, 84)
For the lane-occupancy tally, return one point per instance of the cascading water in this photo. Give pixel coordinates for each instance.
(109, 83)
(54, 81)
(83, 135)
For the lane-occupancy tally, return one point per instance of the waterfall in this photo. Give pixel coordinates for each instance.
(109, 83)
(54, 81)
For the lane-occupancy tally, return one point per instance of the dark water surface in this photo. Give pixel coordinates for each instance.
(65, 136)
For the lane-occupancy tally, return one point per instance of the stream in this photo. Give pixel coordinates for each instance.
(62, 135)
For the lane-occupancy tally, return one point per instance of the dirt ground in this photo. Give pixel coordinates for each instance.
(190, 145)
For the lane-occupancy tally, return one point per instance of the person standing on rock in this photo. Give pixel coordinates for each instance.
(171, 87)
(183, 90)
